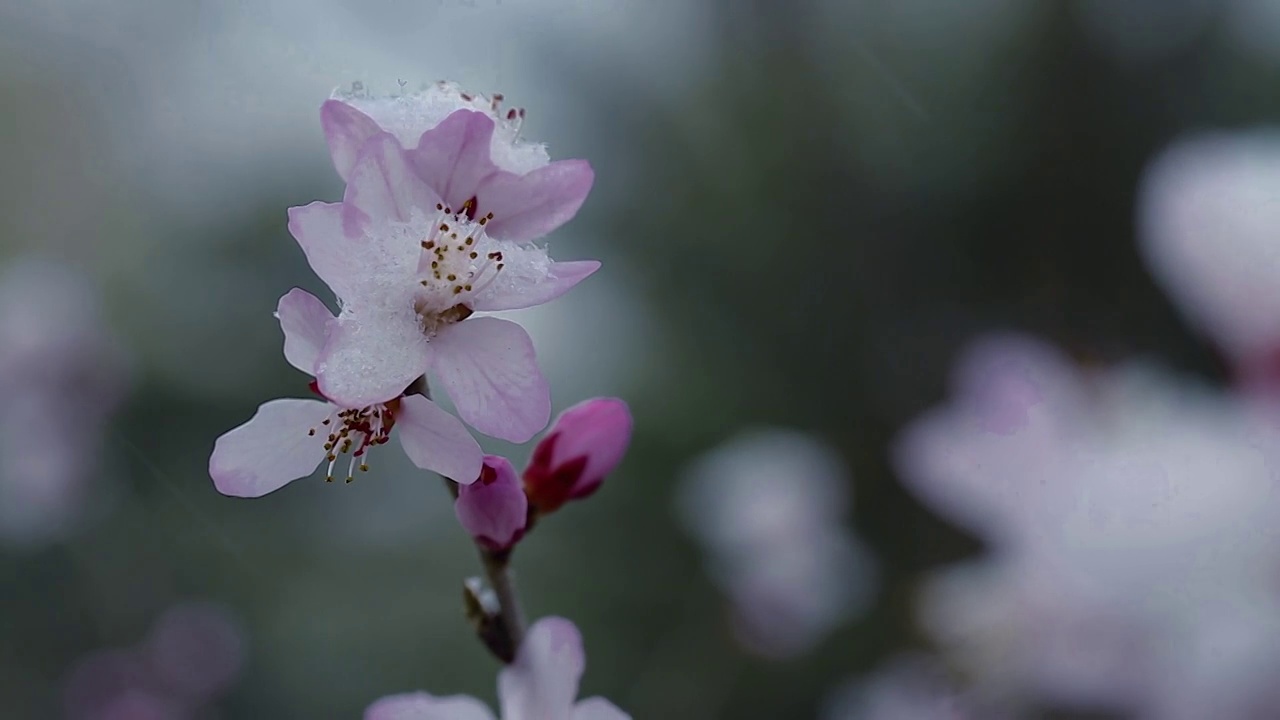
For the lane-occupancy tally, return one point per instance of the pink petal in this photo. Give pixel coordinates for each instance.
(345, 129)
(453, 157)
(494, 509)
(421, 706)
(598, 429)
(318, 228)
(437, 441)
(561, 278)
(529, 206)
(371, 356)
(597, 708)
(383, 187)
(305, 322)
(543, 680)
(271, 450)
(489, 368)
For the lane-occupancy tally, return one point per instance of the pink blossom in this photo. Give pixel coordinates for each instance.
(494, 508)
(192, 655)
(62, 376)
(541, 684)
(287, 439)
(769, 507)
(410, 272)
(469, 150)
(1208, 210)
(586, 443)
(1133, 523)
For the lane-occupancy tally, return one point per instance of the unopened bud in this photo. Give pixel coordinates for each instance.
(585, 444)
(494, 508)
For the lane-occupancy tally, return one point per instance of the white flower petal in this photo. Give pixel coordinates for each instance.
(543, 680)
(305, 321)
(489, 368)
(271, 450)
(437, 441)
(421, 706)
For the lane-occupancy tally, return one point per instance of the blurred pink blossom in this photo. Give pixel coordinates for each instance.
(908, 688)
(542, 684)
(1127, 520)
(63, 375)
(494, 508)
(192, 656)
(1208, 211)
(585, 444)
(769, 508)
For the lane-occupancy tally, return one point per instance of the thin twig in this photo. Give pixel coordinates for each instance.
(497, 566)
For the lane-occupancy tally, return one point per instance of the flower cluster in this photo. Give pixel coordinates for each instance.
(436, 228)
(1134, 533)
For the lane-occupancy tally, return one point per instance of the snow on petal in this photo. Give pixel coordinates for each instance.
(345, 129)
(543, 680)
(453, 157)
(372, 355)
(597, 708)
(305, 321)
(421, 706)
(489, 368)
(409, 115)
(318, 228)
(437, 441)
(383, 188)
(529, 206)
(271, 450)
(524, 292)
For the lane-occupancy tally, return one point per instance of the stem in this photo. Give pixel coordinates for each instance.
(503, 634)
(504, 639)
(497, 566)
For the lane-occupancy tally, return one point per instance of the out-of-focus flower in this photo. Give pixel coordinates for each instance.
(908, 688)
(411, 267)
(585, 444)
(1208, 213)
(192, 656)
(770, 508)
(62, 374)
(542, 684)
(1133, 522)
(494, 508)
(287, 439)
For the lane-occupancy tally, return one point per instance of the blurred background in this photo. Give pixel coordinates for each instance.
(804, 209)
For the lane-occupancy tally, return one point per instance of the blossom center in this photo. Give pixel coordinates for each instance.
(354, 432)
(458, 262)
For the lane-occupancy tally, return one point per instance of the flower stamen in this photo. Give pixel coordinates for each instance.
(358, 430)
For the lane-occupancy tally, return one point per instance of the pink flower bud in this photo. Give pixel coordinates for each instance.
(585, 444)
(494, 508)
